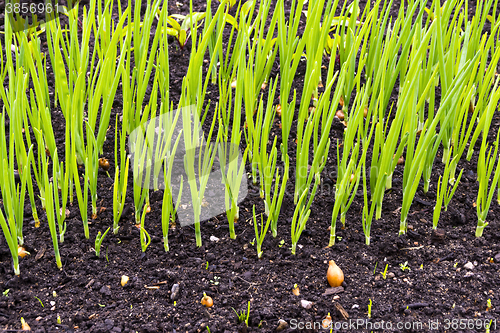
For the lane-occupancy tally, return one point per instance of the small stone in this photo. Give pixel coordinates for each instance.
(336, 297)
(469, 266)
(105, 291)
(458, 218)
(468, 275)
(390, 275)
(52, 303)
(355, 306)
(334, 290)
(377, 277)
(214, 239)
(53, 308)
(475, 263)
(437, 236)
(497, 257)
(306, 304)
(281, 325)
(109, 324)
(175, 292)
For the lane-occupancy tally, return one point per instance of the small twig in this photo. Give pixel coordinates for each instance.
(413, 248)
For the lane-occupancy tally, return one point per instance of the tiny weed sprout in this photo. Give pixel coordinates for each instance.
(489, 306)
(6, 292)
(243, 316)
(98, 241)
(181, 31)
(384, 273)
(215, 281)
(375, 269)
(40, 301)
(488, 326)
(404, 266)
(370, 308)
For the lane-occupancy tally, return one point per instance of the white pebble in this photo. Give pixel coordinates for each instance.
(469, 266)
(306, 304)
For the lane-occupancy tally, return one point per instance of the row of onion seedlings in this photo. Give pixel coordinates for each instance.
(422, 49)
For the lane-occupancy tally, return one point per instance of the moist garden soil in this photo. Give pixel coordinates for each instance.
(450, 275)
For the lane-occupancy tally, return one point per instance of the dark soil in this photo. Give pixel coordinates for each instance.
(437, 291)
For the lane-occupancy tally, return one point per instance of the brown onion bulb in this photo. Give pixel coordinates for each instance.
(21, 252)
(104, 164)
(340, 115)
(296, 290)
(334, 275)
(327, 322)
(207, 301)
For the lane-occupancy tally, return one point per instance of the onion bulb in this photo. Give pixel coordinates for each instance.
(21, 251)
(207, 301)
(124, 280)
(296, 290)
(24, 325)
(104, 164)
(340, 114)
(471, 107)
(335, 276)
(278, 110)
(327, 322)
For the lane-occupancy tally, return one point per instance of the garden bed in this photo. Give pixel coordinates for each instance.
(435, 280)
